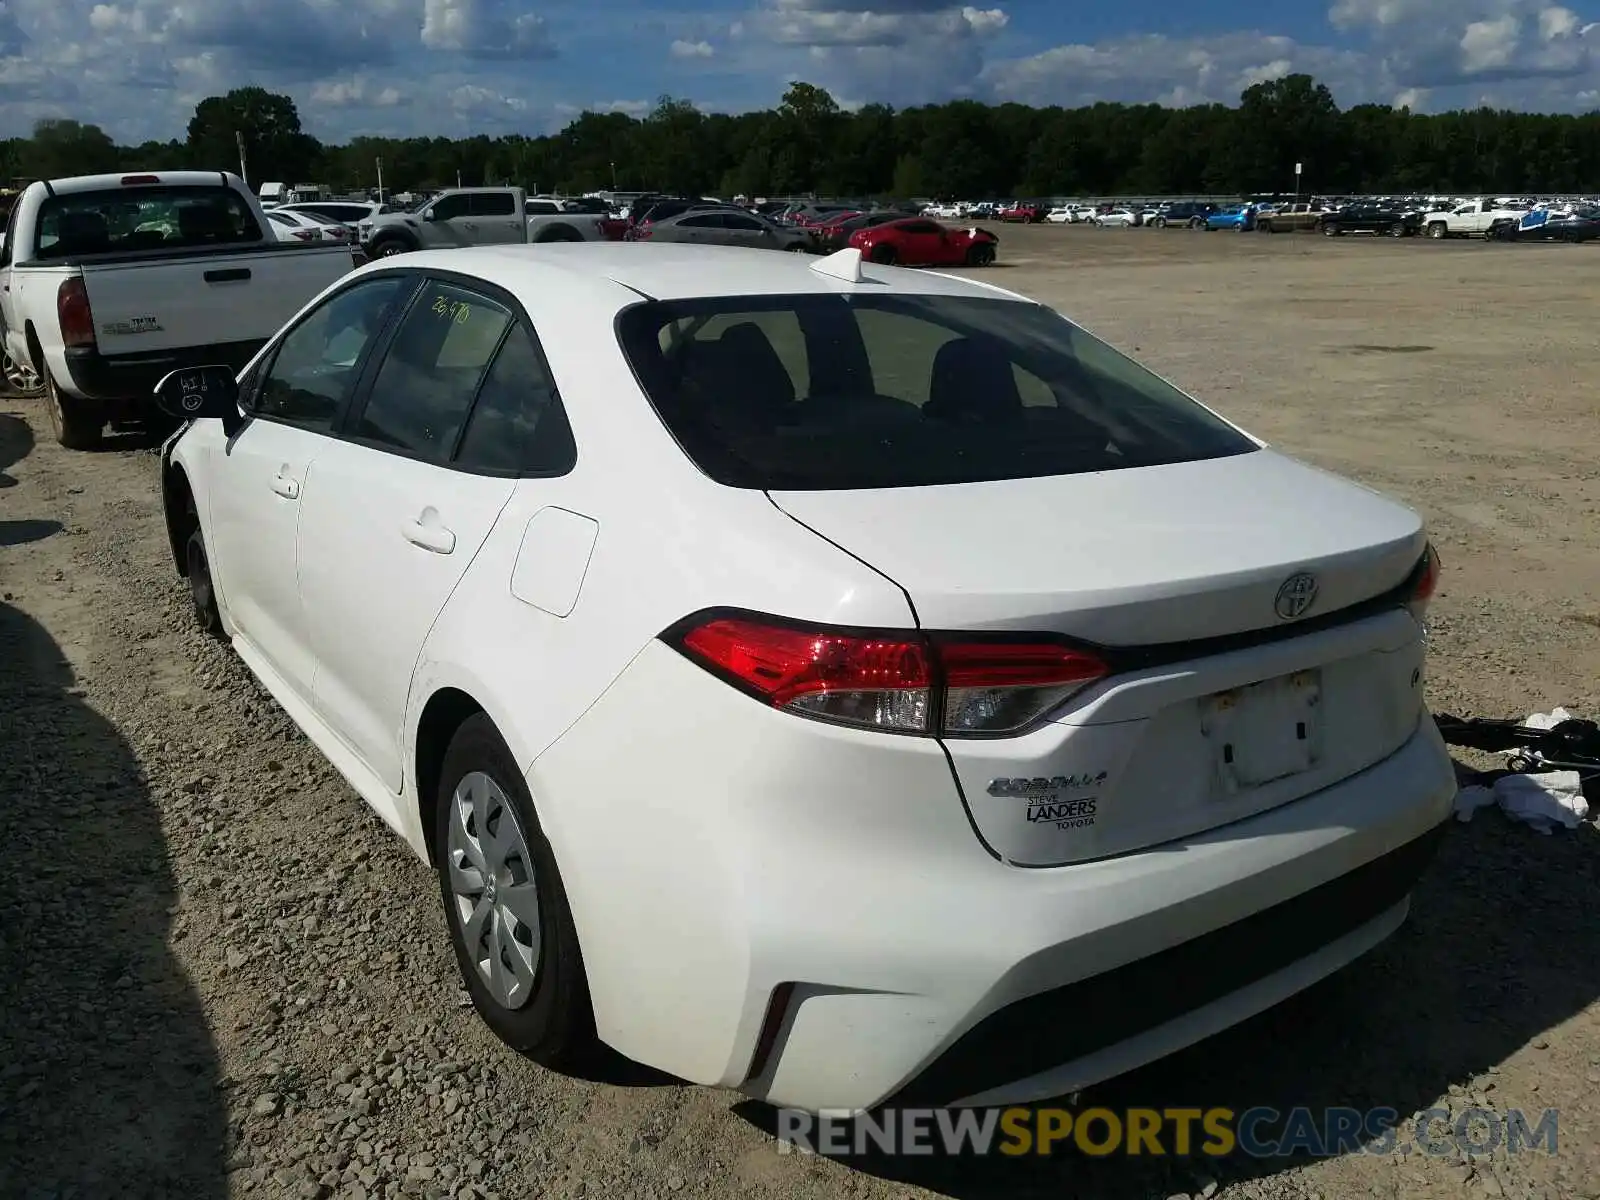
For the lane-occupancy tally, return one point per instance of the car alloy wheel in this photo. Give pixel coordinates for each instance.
(495, 890)
(20, 377)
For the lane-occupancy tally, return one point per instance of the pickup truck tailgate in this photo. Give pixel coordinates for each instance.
(205, 300)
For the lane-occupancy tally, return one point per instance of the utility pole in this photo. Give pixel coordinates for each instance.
(379, 161)
(458, 178)
(238, 138)
(1298, 168)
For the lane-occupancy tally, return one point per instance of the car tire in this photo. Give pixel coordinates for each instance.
(1397, 230)
(1329, 230)
(1197, 223)
(77, 424)
(799, 248)
(539, 1006)
(981, 255)
(1159, 223)
(884, 256)
(1265, 227)
(202, 591)
(388, 247)
(559, 233)
(1438, 231)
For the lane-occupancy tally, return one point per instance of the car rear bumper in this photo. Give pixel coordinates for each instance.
(125, 383)
(802, 913)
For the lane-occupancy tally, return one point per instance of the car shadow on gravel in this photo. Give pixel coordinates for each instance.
(1501, 946)
(108, 1074)
(16, 443)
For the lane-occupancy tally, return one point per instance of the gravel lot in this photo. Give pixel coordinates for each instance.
(222, 976)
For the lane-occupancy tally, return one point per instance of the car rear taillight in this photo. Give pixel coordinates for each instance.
(304, 235)
(1427, 582)
(72, 311)
(896, 681)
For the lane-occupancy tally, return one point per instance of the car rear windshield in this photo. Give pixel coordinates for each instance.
(820, 392)
(143, 218)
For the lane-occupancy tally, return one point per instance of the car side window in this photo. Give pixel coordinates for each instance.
(317, 361)
(430, 373)
(519, 425)
(711, 221)
(447, 207)
(746, 224)
(493, 204)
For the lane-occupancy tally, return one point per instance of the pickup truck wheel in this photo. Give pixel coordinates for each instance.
(560, 233)
(1438, 231)
(1397, 230)
(201, 590)
(388, 248)
(1330, 230)
(76, 423)
(21, 378)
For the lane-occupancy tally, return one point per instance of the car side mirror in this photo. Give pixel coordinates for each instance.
(428, 214)
(199, 392)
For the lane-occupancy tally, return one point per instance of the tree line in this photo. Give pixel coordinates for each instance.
(962, 149)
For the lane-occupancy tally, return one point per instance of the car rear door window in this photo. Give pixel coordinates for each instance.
(493, 204)
(518, 425)
(424, 388)
(316, 363)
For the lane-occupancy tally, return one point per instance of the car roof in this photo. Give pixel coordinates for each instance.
(669, 271)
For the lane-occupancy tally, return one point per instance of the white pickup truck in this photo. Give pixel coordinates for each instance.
(487, 216)
(1473, 219)
(109, 282)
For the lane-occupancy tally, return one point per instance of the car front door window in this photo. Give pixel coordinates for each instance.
(316, 363)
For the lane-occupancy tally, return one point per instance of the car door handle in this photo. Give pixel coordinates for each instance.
(288, 488)
(430, 535)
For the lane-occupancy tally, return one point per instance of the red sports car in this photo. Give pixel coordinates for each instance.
(1027, 214)
(919, 242)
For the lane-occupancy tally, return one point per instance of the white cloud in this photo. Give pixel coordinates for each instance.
(1490, 44)
(357, 92)
(684, 49)
(1169, 70)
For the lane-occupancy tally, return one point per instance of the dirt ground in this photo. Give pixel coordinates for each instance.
(221, 976)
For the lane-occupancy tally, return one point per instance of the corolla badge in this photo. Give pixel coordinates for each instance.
(1295, 596)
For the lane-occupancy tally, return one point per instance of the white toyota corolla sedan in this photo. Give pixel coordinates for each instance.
(834, 682)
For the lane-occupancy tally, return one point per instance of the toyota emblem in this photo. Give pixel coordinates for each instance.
(1296, 596)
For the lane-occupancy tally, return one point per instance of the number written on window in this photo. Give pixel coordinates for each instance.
(447, 308)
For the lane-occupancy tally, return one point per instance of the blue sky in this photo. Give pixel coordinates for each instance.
(453, 67)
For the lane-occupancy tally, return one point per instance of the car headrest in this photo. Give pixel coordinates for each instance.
(973, 381)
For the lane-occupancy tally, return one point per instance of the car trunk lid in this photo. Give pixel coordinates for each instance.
(1213, 589)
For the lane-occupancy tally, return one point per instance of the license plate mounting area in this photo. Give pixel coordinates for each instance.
(1265, 731)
